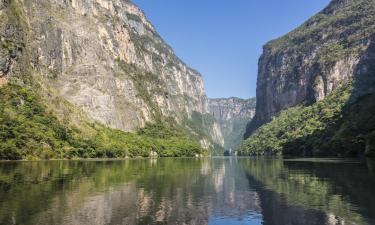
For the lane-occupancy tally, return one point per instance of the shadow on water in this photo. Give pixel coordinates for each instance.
(313, 191)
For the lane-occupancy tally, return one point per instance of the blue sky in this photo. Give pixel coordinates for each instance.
(223, 39)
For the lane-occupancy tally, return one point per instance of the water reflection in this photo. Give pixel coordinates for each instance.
(313, 191)
(187, 191)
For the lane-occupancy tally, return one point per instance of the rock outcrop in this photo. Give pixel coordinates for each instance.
(307, 64)
(232, 114)
(105, 58)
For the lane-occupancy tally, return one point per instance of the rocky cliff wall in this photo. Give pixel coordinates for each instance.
(105, 58)
(310, 62)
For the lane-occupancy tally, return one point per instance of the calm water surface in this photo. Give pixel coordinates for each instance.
(223, 191)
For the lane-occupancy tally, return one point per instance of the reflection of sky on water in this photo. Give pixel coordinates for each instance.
(246, 220)
(235, 202)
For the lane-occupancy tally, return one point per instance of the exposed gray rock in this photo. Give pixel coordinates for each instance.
(104, 57)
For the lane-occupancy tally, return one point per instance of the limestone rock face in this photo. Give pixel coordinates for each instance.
(310, 62)
(232, 114)
(104, 57)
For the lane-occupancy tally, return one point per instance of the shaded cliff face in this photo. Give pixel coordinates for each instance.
(310, 62)
(104, 57)
(232, 114)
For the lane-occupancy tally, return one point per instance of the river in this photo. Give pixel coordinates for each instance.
(214, 191)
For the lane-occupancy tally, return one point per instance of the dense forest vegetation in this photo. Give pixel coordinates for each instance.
(29, 131)
(331, 127)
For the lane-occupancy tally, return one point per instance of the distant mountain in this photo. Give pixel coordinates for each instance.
(232, 114)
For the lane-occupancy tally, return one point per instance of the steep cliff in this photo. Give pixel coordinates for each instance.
(232, 114)
(318, 85)
(105, 59)
(310, 62)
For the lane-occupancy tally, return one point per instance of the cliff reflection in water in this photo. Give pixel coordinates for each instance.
(172, 191)
(186, 191)
(313, 191)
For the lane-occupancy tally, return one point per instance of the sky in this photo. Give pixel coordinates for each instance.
(223, 39)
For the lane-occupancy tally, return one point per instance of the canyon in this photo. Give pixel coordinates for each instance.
(106, 61)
